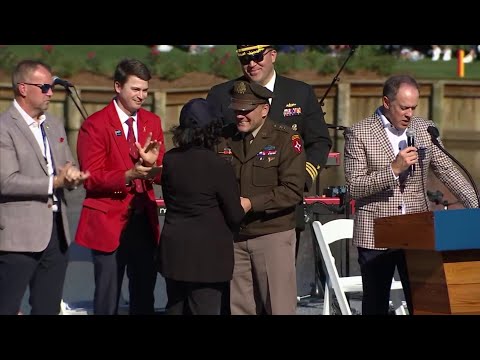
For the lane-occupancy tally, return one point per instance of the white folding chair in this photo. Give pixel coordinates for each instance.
(327, 234)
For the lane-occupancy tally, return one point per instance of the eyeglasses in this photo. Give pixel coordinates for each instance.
(258, 57)
(44, 87)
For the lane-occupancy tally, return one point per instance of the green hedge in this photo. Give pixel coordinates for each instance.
(67, 60)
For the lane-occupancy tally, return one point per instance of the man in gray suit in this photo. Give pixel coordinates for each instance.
(36, 165)
(387, 175)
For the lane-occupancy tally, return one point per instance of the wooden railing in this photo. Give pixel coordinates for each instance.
(453, 105)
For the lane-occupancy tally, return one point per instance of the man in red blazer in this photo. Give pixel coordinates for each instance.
(122, 146)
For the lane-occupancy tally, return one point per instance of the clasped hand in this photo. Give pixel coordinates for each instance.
(246, 204)
(69, 176)
(140, 171)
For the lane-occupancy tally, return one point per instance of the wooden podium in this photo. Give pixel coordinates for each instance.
(443, 258)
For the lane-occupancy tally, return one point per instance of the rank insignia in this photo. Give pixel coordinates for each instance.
(297, 143)
(294, 127)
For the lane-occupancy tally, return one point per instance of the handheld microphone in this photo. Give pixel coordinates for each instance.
(434, 133)
(411, 142)
(64, 83)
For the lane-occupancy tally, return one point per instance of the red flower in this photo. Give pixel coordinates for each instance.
(61, 139)
(91, 55)
(48, 48)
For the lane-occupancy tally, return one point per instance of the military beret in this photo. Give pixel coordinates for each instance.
(247, 96)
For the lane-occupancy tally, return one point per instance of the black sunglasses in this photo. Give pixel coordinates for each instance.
(43, 87)
(258, 57)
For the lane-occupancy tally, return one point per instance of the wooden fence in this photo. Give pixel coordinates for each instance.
(453, 105)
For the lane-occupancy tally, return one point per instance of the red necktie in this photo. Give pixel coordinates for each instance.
(133, 152)
(131, 140)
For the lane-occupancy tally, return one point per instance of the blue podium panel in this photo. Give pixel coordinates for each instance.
(457, 229)
(440, 230)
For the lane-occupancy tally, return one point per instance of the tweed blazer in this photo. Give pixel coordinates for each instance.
(371, 182)
(25, 216)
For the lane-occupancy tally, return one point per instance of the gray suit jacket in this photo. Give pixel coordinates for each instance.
(370, 180)
(25, 207)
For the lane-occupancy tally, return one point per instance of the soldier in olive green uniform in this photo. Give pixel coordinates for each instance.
(269, 163)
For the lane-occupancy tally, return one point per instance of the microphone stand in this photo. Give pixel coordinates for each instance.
(348, 213)
(474, 185)
(320, 274)
(336, 127)
(69, 93)
(336, 78)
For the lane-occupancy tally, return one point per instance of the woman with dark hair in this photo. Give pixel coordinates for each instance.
(203, 213)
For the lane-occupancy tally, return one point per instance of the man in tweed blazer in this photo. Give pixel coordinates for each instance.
(36, 165)
(378, 177)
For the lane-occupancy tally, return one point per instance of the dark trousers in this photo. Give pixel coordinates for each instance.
(44, 272)
(194, 298)
(225, 302)
(135, 255)
(300, 225)
(377, 268)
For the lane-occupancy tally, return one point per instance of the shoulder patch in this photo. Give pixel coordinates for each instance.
(297, 144)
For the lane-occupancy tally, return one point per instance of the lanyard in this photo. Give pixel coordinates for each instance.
(44, 136)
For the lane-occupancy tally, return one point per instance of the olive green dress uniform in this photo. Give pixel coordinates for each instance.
(272, 175)
(295, 105)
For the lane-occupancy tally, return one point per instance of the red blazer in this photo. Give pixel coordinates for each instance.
(102, 149)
